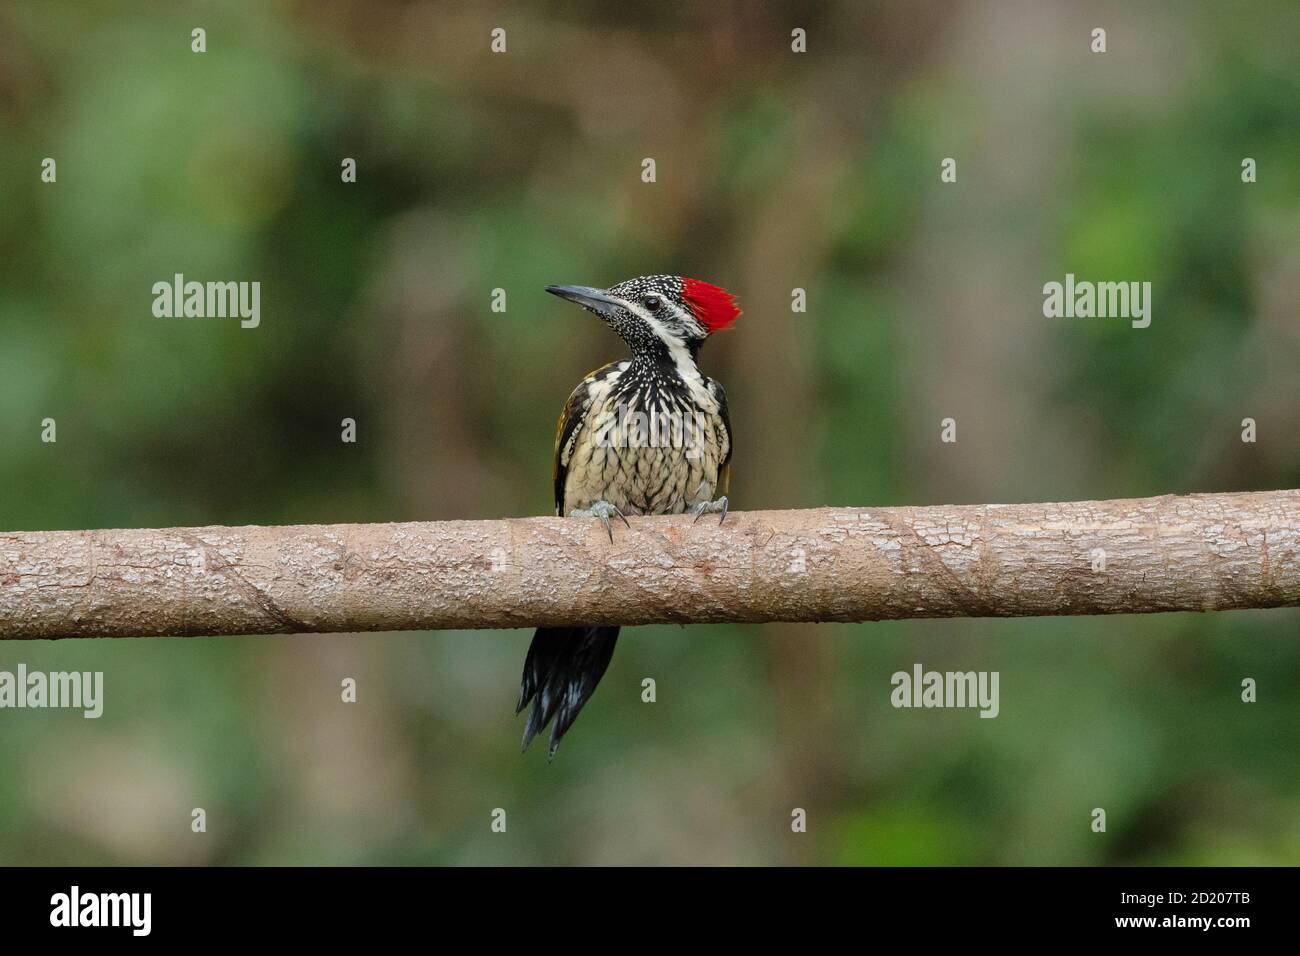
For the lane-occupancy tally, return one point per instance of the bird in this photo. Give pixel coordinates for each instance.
(648, 435)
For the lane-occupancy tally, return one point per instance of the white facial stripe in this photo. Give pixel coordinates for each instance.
(656, 323)
(686, 316)
(644, 314)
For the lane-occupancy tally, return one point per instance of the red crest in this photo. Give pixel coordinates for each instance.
(714, 307)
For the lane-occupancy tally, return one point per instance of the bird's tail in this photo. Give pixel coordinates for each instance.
(564, 666)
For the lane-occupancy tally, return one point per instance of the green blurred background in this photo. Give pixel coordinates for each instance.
(776, 170)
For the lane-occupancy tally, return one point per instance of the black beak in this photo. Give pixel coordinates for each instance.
(594, 299)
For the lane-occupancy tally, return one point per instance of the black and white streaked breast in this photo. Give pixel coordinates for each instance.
(668, 475)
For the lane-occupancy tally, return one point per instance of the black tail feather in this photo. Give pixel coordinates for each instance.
(564, 666)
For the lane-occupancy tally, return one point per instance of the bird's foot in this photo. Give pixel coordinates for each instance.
(604, 511)
(712, 507)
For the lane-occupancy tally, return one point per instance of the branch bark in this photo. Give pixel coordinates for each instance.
(1173, 553)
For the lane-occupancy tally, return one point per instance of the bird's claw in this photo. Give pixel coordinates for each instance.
(604, 511)
(708, 507)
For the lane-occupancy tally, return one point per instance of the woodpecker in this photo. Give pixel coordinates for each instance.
(649, 435)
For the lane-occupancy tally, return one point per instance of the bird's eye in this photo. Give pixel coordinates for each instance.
(652, 303)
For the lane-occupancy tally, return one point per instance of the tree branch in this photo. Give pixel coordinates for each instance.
(1188, 553)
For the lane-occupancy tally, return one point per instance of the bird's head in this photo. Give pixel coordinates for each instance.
(655, 314)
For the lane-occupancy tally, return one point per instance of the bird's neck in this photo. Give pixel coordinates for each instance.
(677, 360)
(667, 365)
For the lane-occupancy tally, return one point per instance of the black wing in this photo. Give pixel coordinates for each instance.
(566, 431)
(724, 467)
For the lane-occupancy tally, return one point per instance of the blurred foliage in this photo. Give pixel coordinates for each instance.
(775, 171)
